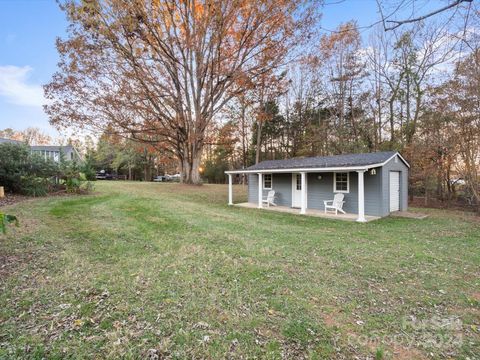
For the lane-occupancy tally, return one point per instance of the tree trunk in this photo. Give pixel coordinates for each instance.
(244, 135)
(426, 192)
(259, 142)
(412, 127)
(378, 130)
(392, 121)
(190, 163)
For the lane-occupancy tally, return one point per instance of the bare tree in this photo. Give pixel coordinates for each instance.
(165, 68)
(394, 24)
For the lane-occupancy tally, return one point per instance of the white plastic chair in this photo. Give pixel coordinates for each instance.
(335, 205)
(269, 199)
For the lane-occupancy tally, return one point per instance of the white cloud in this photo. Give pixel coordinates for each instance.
(14, 86)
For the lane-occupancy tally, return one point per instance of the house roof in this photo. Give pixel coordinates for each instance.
(51, 147)
(348, 161)
(10, 141)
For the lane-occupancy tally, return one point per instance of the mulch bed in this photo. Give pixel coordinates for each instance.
(11, 199)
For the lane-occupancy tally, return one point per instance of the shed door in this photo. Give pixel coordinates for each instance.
(394, 191)
(296, 190)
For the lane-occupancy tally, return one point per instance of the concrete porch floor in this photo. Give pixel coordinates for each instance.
(310, 212)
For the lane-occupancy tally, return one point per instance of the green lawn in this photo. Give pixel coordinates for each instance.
(147, 269)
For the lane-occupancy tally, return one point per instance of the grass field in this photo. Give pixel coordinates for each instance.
(169, 271)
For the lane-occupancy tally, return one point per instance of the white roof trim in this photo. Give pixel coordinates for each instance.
(298, 170)
(401, 157)
(316, 170)
(390, 158)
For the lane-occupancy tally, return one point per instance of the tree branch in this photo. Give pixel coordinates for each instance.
(398, 23)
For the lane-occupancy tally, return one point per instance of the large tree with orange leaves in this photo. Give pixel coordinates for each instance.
(161, 70)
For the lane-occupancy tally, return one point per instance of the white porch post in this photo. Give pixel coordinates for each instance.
(260, 187)
(230, 190)
(303, 197)
(361, 197)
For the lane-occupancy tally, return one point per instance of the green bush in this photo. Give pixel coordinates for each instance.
(6, 219)
(13, 165)
(35, 186)
(73, 184)
(88, 171)
(25, 173)
(74, 180)
(31, 174)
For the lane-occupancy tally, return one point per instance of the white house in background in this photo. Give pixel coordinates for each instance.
(53, 152)
(368, 185)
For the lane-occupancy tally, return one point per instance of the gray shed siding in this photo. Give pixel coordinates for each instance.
(281, 183)
(377, 189)
(319, 190)
(322, 189)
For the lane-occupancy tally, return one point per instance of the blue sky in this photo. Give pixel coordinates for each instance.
(28, 58)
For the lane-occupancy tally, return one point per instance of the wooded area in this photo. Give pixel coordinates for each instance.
(415, 90)
(230, 83)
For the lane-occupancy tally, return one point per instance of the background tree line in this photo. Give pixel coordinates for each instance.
(128, 157)
(116, 155)
(414, 90)
(231, 83)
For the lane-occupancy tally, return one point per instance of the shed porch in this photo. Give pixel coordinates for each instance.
(298, 181)
(308, 212)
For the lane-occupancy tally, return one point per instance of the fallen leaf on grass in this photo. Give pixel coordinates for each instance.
(201, 325)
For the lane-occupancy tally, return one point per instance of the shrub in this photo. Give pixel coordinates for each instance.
(6, 219)
(24, 172)
(88, 171)
(13, 165)
(31, 174)
(74, 180)
(73, 184)
(35, 186)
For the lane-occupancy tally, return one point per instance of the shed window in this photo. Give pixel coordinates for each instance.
(267, 181)
(341, 183)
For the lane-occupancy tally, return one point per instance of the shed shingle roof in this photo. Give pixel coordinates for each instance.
(335, 161)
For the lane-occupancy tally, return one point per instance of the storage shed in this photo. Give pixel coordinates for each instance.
(371, 184)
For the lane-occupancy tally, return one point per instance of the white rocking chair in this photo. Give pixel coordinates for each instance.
(335, 205)
(269, 199)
